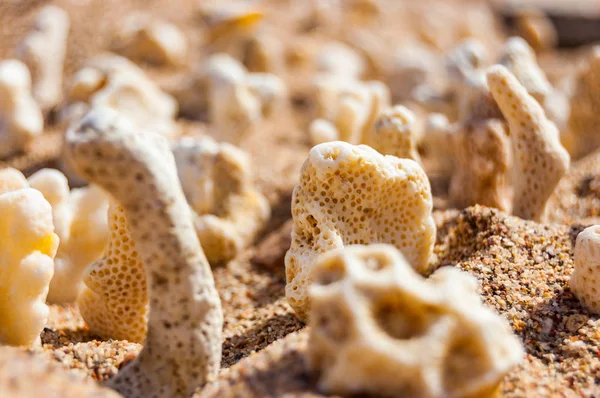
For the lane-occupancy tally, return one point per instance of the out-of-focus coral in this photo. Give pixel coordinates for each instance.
(379, 327)
(581, 134)
(21, 119)
(28, 246)
(183, 343)
(264, 53)
(234, 99)
(394, 134)
(81, 224)
(217, 181)
(340, 60)
(520, 60)
(413, 66)
(108, 80)
(354, 195)
(154, 41)
(483, 158)
(539, 159)
(114, 301)
(536, 28)
(43, 50)
(584, 281)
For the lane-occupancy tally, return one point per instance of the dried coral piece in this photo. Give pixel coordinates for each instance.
(539, 159)
(394, 133)
(584, 280)
(11, 180)
(483, 158)
(354, 195)
(154, 41)
(520, 60)
(378, 327)
(340, 60)
(183, 344)
(43, 51)
(536, 28)
(217, 181)
(437, 144)
(21, 119)
(28, 246)
(264, 54)
(413, 66)
(581, 135)
(114, 302)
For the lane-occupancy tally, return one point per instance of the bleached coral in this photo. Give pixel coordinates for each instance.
(28, 246)
(394, 133)
(114, 301)
(585, 278)
(354, 195)
(43, 50)
(378, 327)
(218, 183)
(539, 159)
(21, 119)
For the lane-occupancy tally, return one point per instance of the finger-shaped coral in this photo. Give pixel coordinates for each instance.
(483, 158)
(183, 344)
(354, 195)
(114, 302)
(28, 246)
(217, 181)
(154, 41)
(584, 281)
(580, 137)
(394, 133)
(539, 158)
(379, 327)
(43, 51)
(520, 60)
(80, 223)
(21, 119)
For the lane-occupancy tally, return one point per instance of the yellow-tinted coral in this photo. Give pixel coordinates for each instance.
(114, 302)
(585, 280)
(394, 134)
(354, 195)
(379, 327)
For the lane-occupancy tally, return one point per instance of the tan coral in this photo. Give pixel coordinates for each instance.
(43, 50)
(536, 28)
(153, 40)
(585, 278)
(413, 66)
(538, 157)
(21, 119)
(11, 180)
(354, 195)
(183, 345)
(483, 158)
(437, 144)
(378, 327)
(394, 134)
(341, 60)
(114, 302)
(81, 224)
(217, 181)
(521, 61)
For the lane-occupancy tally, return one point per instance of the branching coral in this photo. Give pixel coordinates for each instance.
(217, 181)
(183, 344)
(44, 50)
(539, 159)
(28, 246)
(21, 119)
(354, 195)
(378, 327)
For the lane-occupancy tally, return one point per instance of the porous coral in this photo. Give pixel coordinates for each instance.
(183, 344)
(584, 280)
(539, 158)
(354, 195)
(43, 50)
(21, 119)
(378, 327)
(114, 301)
(217, 181)
(28, 246)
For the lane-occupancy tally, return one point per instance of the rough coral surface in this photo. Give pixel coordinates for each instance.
(378, 327)
(354, 195)
(584, 282)
(114, 302)
(183, 344)
(394, 134)
(28, 246)
(218, 183)
(539, 158)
